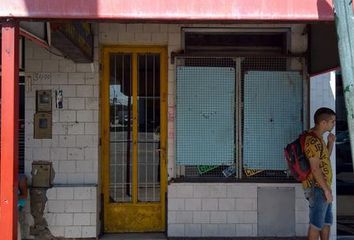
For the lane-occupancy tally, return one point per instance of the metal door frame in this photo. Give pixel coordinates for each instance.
(111, 211)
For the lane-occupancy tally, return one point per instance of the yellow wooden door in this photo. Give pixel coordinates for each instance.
(133, 120)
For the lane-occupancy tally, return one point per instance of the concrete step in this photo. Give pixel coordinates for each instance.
(161, 236)
(134, 236)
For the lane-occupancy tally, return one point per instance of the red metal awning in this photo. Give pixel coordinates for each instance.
(171, 10)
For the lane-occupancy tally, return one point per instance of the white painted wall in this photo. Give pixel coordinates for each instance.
(73, 150)
(222, 209)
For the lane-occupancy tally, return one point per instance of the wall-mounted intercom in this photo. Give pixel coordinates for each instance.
(42, 125)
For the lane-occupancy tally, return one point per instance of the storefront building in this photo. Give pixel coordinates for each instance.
(163, 118)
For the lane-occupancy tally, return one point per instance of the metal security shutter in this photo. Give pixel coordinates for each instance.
(205, 115)
(272, 117)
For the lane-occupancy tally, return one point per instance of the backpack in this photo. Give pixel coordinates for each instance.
(298, 163)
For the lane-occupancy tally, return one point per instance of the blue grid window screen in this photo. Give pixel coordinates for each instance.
(272, 117)
(205, 124)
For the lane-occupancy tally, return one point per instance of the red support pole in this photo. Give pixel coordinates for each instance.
(9, 129)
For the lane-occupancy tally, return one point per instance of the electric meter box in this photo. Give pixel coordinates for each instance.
(42, 125)
(44, 100)
(42, 174)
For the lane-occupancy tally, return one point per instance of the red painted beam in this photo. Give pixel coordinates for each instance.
(9, 130)
(172, 10)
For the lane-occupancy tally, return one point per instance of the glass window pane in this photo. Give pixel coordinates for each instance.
(149, 128)
(120, 100)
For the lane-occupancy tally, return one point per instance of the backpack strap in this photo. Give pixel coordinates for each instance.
(312, 134)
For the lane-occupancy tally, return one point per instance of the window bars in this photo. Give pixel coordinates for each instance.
(255, 102)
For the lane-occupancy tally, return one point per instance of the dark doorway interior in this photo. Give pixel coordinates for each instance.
(344, 166)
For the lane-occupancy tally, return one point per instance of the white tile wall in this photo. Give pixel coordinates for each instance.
(66, 215)
(73, 149)
(74, 126)
(71, 216)
(222, 209)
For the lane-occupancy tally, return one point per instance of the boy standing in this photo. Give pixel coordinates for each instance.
(317, 186)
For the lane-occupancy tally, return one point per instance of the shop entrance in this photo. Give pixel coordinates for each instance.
(133, 120)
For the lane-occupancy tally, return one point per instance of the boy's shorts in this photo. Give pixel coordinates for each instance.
(320, 210)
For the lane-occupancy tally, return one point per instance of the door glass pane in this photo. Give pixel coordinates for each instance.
(120, 125)
(149, 128)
